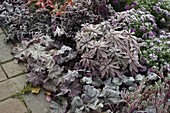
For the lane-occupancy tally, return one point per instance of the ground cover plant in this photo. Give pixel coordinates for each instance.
(93, 56)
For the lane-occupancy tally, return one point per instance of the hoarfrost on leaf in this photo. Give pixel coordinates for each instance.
(128, 80)
(87, 80)
(139, 77)
(111, 96)
(152, 76)
(73, 88)
(76, 103)
(117, 81)
(55, 72)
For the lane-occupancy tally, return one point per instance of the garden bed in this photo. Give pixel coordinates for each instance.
(94, 56)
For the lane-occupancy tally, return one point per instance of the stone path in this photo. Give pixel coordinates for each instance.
(12, 81)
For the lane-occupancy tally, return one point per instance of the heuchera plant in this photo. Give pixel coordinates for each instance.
(84, 12)
(23, 25)
(75, 16)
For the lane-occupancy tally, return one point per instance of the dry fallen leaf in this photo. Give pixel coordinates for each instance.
(35, 90)
(47, 93)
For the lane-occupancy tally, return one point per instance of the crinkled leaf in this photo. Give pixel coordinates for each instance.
(73, 88)
(87, 80)
(117, 81)
(90, 92)
(59, 106)
(35, 79)
(70, 76)
(51, 85)
(139, 77)
(128, 80)
(76, 103)
(55, 72)
(152, 76)
(110, 96)
(109, 84)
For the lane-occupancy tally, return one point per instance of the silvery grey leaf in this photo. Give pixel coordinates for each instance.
(132, 88)
(55, 72)
(109, 92)
(76, 103)
(108, 111)
(110, 85)
(95, 104)
(2, 19)
(71, 76)
(117, 81)
(151, 109)
(128, 80)
(72, 88)
(90, 92)
(8, 6)
(152, 76)
(87, 80)
(97, 81)
(108, 81)
(139, 77)
(58, 32)
(111, 96)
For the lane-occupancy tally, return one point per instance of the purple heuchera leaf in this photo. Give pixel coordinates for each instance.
(55, 72)
(70, 76)
(90, 92)
(51, 85)
(35, 79)
(73, 88)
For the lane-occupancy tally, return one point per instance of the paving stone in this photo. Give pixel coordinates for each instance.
(12, 106)
(3, 43)
(13, 69)
(2, 75)
(5, 49)
(12, 86)
(1, 31)
(37, 102)
(5, 54)
(2, 37)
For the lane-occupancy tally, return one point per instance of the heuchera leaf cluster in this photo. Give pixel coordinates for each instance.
(84, 12)
(21, 24)
(75, 16)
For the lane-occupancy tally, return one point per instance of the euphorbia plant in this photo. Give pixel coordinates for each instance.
(103, 46)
